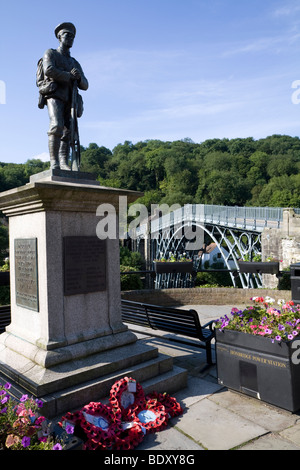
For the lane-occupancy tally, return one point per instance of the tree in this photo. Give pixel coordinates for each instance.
(155, 163)
(281, 165)
(257, 173)
(130, 262)
(33, 166)
(94, 159)
(154, 196)
(225, 188)
(217, 171)
(243, 147)
(281, 191)
(12, 175)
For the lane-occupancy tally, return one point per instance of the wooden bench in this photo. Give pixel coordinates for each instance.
(5, 317)
(172, 320)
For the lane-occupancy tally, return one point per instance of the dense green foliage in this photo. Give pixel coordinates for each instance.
(130, 261)
(241, 172)
(13, 175)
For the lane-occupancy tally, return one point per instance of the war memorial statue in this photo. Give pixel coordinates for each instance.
(67, 338)
(58, 78)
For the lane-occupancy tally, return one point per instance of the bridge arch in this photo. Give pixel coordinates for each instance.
(239, 244)
(239, 229)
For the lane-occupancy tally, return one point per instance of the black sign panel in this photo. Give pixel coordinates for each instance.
(84, 265)
(26, 273)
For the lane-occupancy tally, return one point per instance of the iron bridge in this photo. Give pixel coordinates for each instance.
(236, 231)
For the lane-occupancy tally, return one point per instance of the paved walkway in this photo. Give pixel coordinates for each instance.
(214, 417)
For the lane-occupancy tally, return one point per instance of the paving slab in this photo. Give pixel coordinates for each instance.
(270, 442)
(197, 389)
(217, 428)
(212, 312)
(169, 439)
(292, 434)
(270, 417)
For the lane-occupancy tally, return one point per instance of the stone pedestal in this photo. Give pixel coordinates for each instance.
(66, 329)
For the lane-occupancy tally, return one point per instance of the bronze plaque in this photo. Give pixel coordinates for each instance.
(84, 265)
(26, 273)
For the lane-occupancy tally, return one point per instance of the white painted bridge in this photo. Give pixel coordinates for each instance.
(238, 229)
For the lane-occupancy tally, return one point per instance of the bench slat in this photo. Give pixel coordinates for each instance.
(172, 320)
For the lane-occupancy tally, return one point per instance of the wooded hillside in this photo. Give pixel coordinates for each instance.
(241, 172)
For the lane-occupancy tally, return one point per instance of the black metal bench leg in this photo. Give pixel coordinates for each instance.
(208, 354)
(209, 361)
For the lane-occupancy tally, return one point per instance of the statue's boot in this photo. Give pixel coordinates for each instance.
(64, 151)
(53, 144)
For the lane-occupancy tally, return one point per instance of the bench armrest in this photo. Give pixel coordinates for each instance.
(209, 325)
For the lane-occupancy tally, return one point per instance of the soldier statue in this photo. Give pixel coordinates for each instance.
(58, 77)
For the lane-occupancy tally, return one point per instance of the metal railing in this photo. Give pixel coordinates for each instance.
(248, 218)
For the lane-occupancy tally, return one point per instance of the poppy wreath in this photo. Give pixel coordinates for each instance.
(153, 417)
(103, 437)
(122, 424)
(171, 405)
(128, 412)
(90, 444)
(72, 418)
(129, 438)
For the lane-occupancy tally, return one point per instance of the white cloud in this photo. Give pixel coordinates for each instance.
(290, 8)
(42, 156)
(273, 44)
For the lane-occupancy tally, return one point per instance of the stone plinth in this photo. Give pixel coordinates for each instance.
(65, 288)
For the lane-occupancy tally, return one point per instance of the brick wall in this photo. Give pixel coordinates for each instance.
(203, 296)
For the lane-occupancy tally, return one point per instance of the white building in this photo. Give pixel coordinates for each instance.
(213, 254)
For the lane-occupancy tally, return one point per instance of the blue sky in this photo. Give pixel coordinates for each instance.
(159, 69)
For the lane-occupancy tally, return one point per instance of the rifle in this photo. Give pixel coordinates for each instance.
(74, 142)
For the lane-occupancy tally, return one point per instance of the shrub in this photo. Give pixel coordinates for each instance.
(130, 281)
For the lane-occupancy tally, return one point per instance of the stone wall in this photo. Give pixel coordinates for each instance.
(282, 244)
(202, 296)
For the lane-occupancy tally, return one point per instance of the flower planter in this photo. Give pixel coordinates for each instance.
(71, 442)
(258, 367)
(174, 267)
(255, 267)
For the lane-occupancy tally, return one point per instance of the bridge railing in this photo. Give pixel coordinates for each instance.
(245, 217)
(251, 218)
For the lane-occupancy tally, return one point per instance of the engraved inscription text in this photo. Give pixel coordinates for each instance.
(26, 274)
(84, 265)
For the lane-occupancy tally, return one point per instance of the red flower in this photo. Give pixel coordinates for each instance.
(125, 402)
